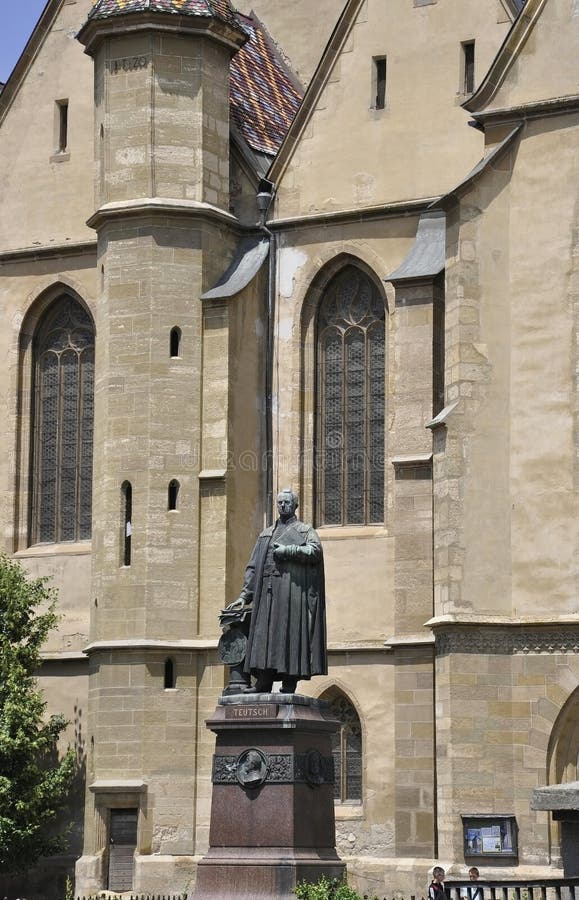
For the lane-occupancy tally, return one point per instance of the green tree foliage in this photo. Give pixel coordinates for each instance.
(325, 889)
(33, 783)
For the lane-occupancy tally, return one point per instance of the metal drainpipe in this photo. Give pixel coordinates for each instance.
(264, 201)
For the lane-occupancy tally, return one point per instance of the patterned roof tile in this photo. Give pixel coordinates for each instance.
(222, 9)
(264, 98)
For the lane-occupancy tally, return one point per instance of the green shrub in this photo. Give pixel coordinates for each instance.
(326, 889)
(34, 782)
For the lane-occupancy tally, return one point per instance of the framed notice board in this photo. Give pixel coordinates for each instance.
(489, 835)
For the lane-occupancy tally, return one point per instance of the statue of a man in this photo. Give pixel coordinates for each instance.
(284, 582)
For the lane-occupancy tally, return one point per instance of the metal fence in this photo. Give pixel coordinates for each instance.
(512, 889)
(496, 889)
(501, 889)
(124, 896)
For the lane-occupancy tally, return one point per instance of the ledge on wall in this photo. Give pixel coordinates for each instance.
(118, 785)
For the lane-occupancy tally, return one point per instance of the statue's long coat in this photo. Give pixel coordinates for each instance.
(288, 619)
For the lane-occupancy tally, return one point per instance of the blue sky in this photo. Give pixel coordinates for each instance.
(17, 19)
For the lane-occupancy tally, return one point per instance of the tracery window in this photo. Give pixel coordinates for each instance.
(351, 396)
(62, 430)
(347, 752)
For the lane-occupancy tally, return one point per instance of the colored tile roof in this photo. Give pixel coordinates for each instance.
(221, 9)
(264, 98)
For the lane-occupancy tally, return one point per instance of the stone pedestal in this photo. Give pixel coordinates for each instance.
(272, 810)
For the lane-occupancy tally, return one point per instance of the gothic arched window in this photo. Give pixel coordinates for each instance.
(62, 424)
(351, 397)
(346, 750)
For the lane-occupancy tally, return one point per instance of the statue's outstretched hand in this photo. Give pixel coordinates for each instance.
(307, 553)
(287, 551)
(237, 604)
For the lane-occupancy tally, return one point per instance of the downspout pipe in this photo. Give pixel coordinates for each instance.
(264, 202)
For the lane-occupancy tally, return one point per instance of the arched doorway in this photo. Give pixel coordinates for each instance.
(561, 796)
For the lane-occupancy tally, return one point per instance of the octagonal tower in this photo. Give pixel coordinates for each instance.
(165, 234)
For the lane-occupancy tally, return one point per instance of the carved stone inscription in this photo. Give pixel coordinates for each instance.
(265, 711)
(128, 64)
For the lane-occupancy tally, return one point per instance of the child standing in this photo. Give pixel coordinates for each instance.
(436, 891)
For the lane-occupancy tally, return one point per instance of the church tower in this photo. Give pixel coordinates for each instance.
(165, 234)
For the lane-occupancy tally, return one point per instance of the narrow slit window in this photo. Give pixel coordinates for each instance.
(169, 674)
(379, 82)
(175, 342)
(468, 67)
(62, 111)
(127, 492)
(173, 495)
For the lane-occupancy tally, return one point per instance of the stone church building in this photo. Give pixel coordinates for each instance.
(332, 245)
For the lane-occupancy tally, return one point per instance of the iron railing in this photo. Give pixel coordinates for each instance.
(516, 889)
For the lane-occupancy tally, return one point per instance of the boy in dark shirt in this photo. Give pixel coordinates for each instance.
(436, 891)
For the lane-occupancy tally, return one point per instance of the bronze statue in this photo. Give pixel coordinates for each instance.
(284, 584)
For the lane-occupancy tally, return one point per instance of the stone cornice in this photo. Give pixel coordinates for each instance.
(63, 656)
(48, 251)
(409, 640)
(138, 645)
(118, 786)
(160, 206)
(466, 619)
(505, 635)
(412, 460)
(94, 31)
(360, 214)
(539, 109)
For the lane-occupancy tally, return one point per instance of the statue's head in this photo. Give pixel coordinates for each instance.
(287, 503)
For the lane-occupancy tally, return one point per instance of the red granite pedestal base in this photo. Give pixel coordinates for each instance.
(272, 810)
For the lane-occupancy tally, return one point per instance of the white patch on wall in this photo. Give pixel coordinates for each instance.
(284, 329)
(130, 156)
(364, 187)
(290, 262)
(259, 328)
(575, 8)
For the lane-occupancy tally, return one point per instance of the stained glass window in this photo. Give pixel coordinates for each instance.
(347, 752)
(351, 394)
(63, 425)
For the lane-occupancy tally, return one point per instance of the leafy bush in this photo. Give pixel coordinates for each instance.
(325, 889)
(33, 782)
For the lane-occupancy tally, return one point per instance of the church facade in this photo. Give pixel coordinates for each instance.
(335, 249)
